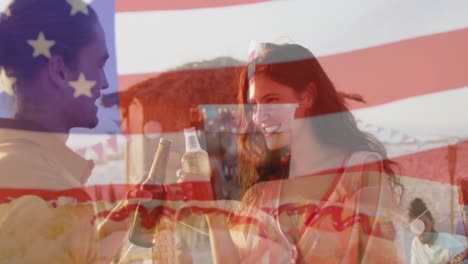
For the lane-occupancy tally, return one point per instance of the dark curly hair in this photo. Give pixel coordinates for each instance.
(418, 208)
(25, 19)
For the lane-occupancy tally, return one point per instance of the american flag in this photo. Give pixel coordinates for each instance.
(408, 60)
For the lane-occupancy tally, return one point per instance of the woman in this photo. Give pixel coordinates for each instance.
(315, 187)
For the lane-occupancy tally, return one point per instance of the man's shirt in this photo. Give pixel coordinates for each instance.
(38, 160)
(445, 248)
(41, 180)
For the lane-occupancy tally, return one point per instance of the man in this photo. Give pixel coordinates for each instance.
(430, 246)
(56, 74)
(52, 55)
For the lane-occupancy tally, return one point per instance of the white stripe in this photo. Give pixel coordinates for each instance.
(437, 116)
(427, 117)
(159, 40)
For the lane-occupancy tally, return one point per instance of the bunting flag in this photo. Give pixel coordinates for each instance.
(81, 151)
(113, 144)
(99, 150)
(127, 134)
(404, 138)
(393, 133)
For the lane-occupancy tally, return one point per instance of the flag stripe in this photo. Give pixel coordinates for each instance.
(421, 118)
(390, 72)
(413, 166)
(399, 70)
(127, 80)
(172, 38)
(148, 5)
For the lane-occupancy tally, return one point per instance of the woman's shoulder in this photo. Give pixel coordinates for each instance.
(361, 169)
(364, 164)
(362, 157)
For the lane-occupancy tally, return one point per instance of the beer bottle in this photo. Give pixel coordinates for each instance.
(195, 161)
(196, 180)
(144, 223)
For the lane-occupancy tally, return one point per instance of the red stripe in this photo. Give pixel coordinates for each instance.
(109, 193)
(432, 165)
(126, 81)
(393, 71)
(403, 69)
(117, 192)
(435, 164)
(149, 5)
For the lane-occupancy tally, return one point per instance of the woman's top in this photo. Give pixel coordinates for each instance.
(352, 222)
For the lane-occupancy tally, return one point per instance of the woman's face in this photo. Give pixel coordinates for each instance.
(275, 106)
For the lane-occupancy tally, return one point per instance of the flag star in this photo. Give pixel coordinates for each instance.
(6, 9)
(41, 46)
(78, 6)
(6, 83)
(82, 86)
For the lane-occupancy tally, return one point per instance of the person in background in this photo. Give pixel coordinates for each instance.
(428, 245)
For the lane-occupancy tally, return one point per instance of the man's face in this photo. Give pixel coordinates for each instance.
(82, 110)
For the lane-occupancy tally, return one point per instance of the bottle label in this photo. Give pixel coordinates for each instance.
(196, 166)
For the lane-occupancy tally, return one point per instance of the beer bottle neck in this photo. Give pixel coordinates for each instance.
(157, 173)
(191, 142)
